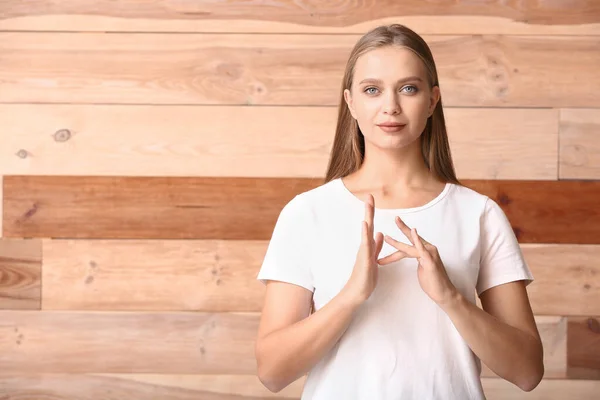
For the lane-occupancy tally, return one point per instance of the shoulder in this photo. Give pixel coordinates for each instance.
(468, 198)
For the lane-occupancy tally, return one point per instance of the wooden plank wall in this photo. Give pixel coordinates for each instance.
(147, 147)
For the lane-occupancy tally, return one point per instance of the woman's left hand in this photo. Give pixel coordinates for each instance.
(431, 272)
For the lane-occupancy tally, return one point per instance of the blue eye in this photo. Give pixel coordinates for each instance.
(369, 88)
(413, 87)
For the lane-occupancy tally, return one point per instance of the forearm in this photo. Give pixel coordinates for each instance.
(287, 354)
(509, 352)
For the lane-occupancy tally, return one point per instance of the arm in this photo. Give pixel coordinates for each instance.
(290, 341)
(504, 334)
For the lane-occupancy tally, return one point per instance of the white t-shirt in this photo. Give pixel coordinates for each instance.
(400, 343)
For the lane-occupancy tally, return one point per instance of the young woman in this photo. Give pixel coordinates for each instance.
(390, 253)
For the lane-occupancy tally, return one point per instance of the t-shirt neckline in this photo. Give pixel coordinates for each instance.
(356, 200)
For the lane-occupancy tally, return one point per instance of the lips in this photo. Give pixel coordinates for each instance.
(391, 125)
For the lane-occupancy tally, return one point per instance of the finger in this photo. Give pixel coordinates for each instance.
(399, 255)
(369, 211)
(404, 228)
(378, 243)
(364, 234)
(408, 249)
(419, 244)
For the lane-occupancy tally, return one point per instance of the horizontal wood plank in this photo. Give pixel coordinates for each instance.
(20, 274)
(170, 275)
(218, 276)
(475, 71)
(285, 16)
(579, 138)
(180, 343)
(163, 343)
(136, 140)
(247, 208)
(583, 348)
(233, 387)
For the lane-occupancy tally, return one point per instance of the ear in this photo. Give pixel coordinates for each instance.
(434, 98)
(349, 102)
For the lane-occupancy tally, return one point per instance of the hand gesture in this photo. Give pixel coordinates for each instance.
(431, 272)
(363, 279)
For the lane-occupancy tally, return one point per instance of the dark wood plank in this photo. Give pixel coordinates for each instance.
(20, 274)
(209, 69)
(548, 211)
(247, 208)
(313, 14)
(583, 348)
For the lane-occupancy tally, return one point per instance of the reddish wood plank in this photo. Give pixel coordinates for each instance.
(315, 15)
(209, 69)
(20, 274)
(247, 208)
(548, 211)
(583, 348)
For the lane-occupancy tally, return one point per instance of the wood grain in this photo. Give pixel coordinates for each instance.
(475, 71)
(122, 342)
(20, 274)
(163, 343)
(548, 211)
(186, 275)
(583, 348)
(232, 387)
(141, 387)
(218, 276)
(285, 16)
(579, 144)
(247, 208)
(136, 140)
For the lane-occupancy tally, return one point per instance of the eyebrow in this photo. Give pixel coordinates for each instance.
(408, 78)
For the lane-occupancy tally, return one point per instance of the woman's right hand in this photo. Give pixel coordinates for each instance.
(363, 279)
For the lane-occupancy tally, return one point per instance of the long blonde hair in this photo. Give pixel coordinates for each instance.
(348, 150)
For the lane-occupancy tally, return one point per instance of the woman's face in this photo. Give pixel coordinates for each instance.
(390, 87)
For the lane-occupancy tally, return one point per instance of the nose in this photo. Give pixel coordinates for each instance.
(391, 104)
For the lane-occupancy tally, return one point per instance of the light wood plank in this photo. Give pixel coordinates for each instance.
(216, 276)
(177, 141)
(178, 343)
(285, 16)
(579, 144)
(187, 275)
(20, 274)
(489, 71)
(140, 387)
(162, 343)
(1, 203)
(566, 279)
(247, 208)
(235, 387)
(583, 348)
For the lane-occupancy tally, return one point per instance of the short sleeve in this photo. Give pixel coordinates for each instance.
(501, 259)
(287, 258)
